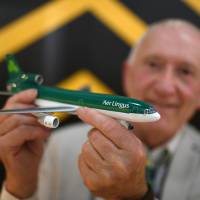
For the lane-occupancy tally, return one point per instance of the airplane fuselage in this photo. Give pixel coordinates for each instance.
(61, 100)
(115, 106)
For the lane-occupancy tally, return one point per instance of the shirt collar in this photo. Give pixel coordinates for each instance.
(171, 146)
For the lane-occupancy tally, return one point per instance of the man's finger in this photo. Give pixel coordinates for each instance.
(14, 121)
(108, 126)
(90, 178)
(25, 133)
(27, 96)
(4, 116)
(92, 158)
(104, 146)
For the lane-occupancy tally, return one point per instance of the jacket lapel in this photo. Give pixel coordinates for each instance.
(182, 167)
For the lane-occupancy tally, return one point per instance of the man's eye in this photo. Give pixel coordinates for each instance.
(153, 64)
(185, 71)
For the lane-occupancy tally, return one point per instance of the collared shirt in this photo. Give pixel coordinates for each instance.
(159, 161)
(171, 146)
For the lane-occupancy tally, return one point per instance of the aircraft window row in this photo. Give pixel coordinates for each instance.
(149, 111)
(137, 110)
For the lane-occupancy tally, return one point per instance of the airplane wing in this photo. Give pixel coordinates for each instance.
(42, 114)
(6, 93)
(69, 109)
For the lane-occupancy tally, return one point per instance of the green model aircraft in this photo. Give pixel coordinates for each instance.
(62, 100)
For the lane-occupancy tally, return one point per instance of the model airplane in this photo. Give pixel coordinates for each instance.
(62, 100)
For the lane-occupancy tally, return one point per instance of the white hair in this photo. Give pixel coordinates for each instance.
(173, 23)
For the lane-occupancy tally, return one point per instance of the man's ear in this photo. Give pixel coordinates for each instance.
(198, 105)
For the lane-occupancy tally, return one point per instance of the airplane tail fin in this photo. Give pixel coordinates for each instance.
(14, 69)
(18, 80)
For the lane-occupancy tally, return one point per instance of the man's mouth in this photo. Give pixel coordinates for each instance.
(162, 106)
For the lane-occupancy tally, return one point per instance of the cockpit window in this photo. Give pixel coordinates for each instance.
(149, 111)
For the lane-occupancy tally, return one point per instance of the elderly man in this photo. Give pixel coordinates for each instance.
(164, 70)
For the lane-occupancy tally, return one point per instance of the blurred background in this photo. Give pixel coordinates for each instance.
(81, 43)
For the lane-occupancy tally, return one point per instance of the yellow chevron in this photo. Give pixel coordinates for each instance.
(38, 23)
(53, 15)
(84, 78)
(119, 19)
(194, 4)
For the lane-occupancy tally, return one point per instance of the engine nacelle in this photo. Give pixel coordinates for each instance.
(37, 78)
(47, 120)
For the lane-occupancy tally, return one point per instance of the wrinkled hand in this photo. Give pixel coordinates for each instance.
(112, 161)
(21, 145)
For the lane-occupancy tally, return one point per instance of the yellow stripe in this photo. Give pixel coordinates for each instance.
(83, 78)
(38, 23)
(194, 4)
(119, 19)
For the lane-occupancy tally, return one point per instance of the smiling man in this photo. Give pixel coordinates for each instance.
(164, 70)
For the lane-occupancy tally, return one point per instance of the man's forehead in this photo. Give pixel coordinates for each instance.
(168, 47)
(170, 37)
(182, 33)
(172, 40)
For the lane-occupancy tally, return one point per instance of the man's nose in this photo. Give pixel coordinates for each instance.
(166, 83)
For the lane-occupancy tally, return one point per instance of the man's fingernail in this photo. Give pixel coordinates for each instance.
(82, 109)
(32, 91)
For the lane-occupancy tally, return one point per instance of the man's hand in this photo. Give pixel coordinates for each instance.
(112, 161)
(21, 145)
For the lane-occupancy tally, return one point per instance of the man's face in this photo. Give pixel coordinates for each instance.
(166, 73)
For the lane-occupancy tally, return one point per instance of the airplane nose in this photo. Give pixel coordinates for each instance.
(156, 116)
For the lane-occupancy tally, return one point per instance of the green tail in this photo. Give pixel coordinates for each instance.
(12, 66)
(18, 80)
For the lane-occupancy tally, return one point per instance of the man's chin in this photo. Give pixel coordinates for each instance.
(155, 128)
(154, 134)
(167, 112)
